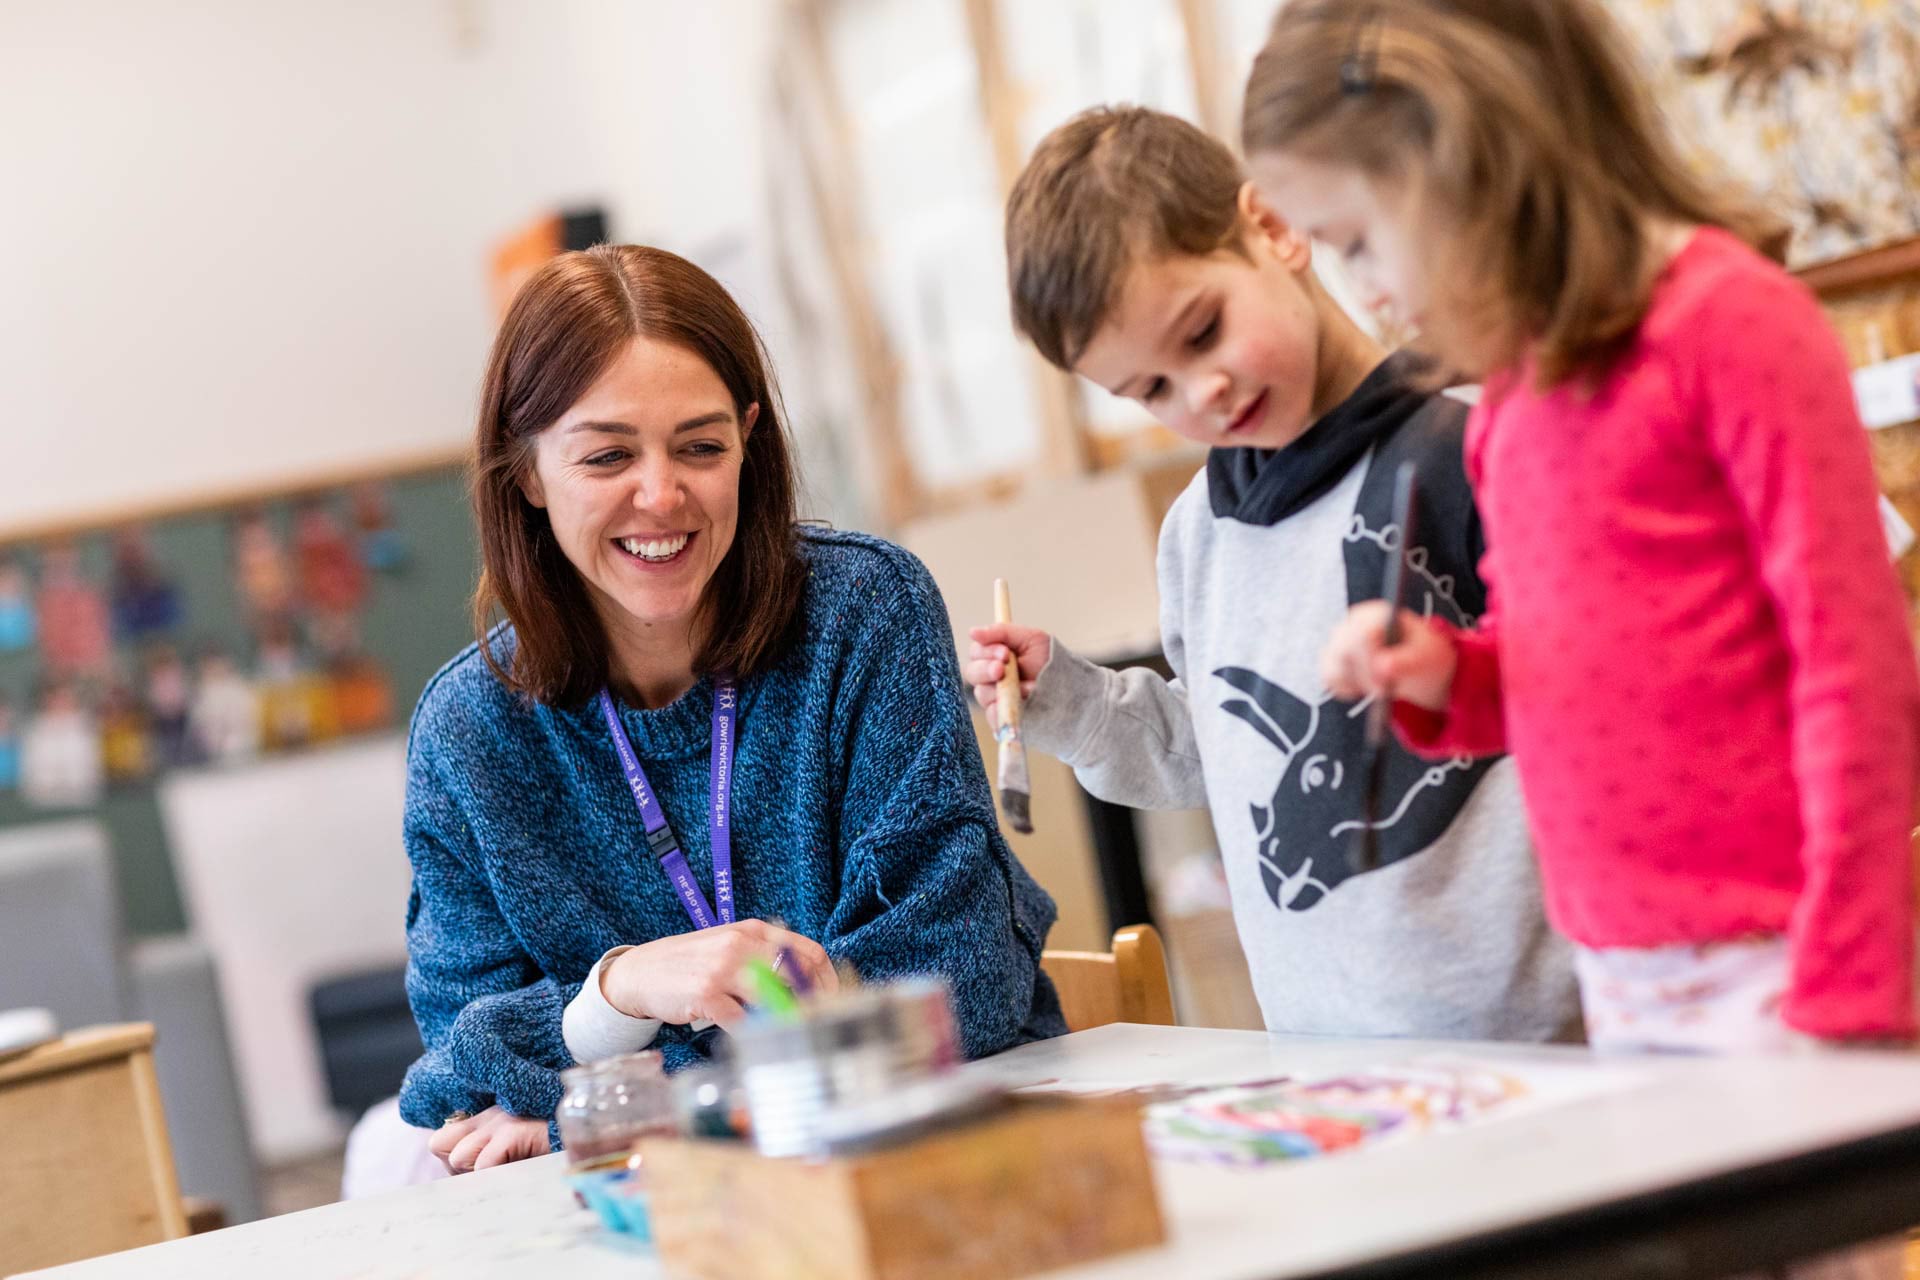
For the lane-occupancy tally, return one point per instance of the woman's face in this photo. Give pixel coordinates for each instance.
(640, 480)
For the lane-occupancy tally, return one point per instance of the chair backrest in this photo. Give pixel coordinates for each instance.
(1127, 984)
(60, 923)
(89, 1168)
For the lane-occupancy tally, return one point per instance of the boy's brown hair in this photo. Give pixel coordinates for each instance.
(1535, 155)
(1110, 188)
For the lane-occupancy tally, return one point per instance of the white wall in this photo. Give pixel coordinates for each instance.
(244, 239)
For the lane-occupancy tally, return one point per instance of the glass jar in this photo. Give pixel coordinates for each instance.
(709, 1103)
(611, 1104)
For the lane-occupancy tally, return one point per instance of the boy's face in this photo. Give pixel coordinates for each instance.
(1367, 225)
(1218, 348)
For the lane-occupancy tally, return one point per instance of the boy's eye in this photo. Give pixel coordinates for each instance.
(1355, 249)
(1154, 389)
(1200, 340)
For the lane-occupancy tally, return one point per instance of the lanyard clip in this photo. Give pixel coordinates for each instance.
(662, 842)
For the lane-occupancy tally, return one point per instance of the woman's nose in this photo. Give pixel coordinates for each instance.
(657, 490)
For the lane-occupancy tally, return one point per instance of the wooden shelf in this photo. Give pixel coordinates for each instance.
(234, 497)
(1871, 269)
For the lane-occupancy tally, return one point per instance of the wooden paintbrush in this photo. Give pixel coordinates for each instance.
(1365, 855)
(1016, 793)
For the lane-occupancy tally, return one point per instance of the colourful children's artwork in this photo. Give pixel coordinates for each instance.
(73, 617)
(126, 747)
(145, 600)
(261, 570)
(380, 543)
(362, 695)
(60, 763)
(224, 719)
(333, 579)
(16, 607)
(9, 748)
(169, 698)
(1312, 1115)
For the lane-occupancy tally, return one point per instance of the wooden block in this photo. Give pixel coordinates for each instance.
(88, 1168)
(1043, 1184)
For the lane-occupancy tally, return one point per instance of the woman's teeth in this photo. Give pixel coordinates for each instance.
(655, 548)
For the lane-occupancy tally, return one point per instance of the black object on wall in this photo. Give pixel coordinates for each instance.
(582, 228)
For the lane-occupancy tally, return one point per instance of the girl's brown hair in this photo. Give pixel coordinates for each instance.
(1521, 133)
(565, 326)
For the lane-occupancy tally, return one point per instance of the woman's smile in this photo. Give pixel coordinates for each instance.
(655, 550)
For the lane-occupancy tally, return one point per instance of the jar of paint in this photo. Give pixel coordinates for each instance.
(611, 1104)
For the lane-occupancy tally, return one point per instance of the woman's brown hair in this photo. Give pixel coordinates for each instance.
(565, 326)
(1521, 133)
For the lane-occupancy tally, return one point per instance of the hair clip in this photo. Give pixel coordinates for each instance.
(1360, 69)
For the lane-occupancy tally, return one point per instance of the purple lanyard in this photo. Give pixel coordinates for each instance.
(664, 845)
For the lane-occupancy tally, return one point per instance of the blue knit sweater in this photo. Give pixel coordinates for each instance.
(861, 819)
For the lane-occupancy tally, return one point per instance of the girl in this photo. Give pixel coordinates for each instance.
(1696, 647)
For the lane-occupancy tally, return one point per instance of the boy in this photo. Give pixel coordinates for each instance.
(1139, 258)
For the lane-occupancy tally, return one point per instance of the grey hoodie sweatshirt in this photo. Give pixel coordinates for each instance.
(1259, 559)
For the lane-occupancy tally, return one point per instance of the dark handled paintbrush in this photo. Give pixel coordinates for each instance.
(1366, 841)
(1016, 793)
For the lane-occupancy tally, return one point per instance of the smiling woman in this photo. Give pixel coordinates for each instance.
(685, 680)
(636, 385)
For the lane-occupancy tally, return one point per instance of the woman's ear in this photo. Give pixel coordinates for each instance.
(1273, 231)
(530, 487)
(747, 419)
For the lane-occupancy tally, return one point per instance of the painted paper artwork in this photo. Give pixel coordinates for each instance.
(1813, 104)
(1318, 1114)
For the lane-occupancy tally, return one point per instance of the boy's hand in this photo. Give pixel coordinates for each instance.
(993, 648)
(1420, 668)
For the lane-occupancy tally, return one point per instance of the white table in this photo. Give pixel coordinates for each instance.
(1666, 1167)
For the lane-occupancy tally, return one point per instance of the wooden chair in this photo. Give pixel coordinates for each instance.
(88, 1167)
(1127, 984)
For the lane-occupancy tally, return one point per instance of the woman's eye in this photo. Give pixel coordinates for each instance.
(607, 459)
(706, 448)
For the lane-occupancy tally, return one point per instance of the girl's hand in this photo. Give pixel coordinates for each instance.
(992, 649)
(692, 977)
(1356, 664)
(467, 1143)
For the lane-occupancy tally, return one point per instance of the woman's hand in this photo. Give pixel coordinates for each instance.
(1356, 663)
(993, 648)
(691, 977)
(467, 1143)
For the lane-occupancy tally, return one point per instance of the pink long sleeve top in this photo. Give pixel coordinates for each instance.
(1696, 648)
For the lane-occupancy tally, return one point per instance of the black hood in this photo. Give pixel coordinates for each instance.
(1265, 486)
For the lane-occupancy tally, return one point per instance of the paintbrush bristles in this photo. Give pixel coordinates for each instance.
(1016, 791)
